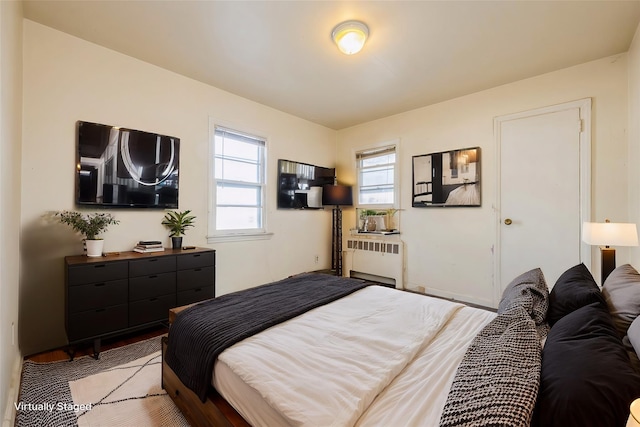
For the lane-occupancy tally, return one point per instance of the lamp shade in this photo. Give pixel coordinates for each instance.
(610, 233)
(337, 195)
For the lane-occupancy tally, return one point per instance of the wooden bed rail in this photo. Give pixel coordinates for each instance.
(215, 411)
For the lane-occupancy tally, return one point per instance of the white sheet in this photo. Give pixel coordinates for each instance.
(325, 368)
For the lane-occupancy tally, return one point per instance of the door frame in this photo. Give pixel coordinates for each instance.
(584, 106)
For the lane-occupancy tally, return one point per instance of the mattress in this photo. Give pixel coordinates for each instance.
(376, 357)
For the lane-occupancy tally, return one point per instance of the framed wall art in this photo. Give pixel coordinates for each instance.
(447, 179)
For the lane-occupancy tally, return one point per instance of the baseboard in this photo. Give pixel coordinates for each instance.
(452, 296)
(13, 393)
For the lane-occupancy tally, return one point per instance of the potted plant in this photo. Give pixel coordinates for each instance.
(391, 212)
(373, 220)
(178, 222)
(90, 225)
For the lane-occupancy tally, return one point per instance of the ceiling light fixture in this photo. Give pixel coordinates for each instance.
(350, 36)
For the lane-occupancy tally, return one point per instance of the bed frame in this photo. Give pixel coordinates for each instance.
(215, 411)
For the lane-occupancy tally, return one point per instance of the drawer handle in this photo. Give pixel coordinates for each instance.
(100, 266)
(100, 310)
(196, 255)
(153, 260)
(153, 299)
(99, 284)
(153, 277)
(197, 269)
(197, 290)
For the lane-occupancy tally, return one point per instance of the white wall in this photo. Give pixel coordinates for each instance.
(68, 79)
(634, 138)
(450, 251)
(10, 138)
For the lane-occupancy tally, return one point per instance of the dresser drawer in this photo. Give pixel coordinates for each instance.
(99, 272)
(97, 295)
(194, 295)
(152, 286)
(101, 321)
(189, 261)
(195, 278)
(123, 292)
(151, 310)
(148, 266)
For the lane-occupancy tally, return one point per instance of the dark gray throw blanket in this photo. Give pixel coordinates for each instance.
(200, 333)
(498, 378)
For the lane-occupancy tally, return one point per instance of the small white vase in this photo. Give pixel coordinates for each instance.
(94, 247)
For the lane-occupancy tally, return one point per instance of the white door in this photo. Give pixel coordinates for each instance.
(544, 191)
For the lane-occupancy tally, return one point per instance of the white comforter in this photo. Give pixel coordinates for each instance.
(354, 360)
(417, 396)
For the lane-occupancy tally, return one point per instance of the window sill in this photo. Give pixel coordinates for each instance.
(240, 237)
(374, 233)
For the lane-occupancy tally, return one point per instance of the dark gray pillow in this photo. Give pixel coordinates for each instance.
(574, 289)
(586, 378)
(621, 291)
(632, 344)
(633, 335)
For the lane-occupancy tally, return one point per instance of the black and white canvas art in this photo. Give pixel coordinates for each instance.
(448, 178)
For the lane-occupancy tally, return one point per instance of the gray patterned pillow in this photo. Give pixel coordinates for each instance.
(530, 291)
(621, 291)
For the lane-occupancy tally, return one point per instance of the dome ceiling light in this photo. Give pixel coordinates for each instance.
(350, 36)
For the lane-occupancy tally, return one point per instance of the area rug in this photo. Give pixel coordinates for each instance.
(122, 388)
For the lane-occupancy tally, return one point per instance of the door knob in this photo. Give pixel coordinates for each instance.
(508, 221)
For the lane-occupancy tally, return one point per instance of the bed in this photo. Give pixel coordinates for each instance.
(317, 350)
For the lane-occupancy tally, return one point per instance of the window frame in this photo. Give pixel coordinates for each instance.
(221, 235)
(395, 144)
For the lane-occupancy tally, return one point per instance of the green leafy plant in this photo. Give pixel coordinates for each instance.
(178, 222)
(374, 212)
(90, 225)
(367, 212)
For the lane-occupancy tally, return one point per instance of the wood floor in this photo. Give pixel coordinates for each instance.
(87, 349)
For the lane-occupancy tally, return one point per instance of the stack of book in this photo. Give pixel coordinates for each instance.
(146, 246)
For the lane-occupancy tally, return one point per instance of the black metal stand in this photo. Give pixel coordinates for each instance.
(336, 241)
(608, 262)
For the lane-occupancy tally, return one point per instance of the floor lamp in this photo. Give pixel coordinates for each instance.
(609, 234)
(337, 196)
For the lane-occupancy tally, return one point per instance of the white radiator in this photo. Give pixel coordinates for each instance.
(380, 260)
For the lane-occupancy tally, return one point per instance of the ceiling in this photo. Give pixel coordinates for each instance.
(419, 52)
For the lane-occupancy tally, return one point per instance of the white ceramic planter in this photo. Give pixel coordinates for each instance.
(94, 247)
(375, 223)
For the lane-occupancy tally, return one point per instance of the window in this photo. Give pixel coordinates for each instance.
(377, 176)
(239, 181)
